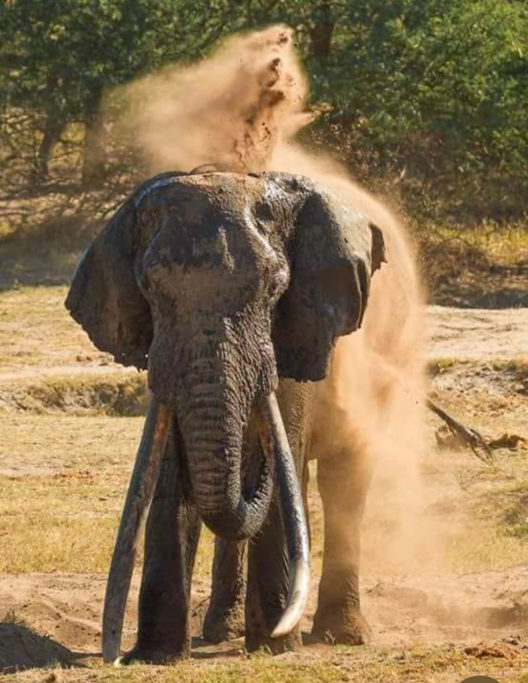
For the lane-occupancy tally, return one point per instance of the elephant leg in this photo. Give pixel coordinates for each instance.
(268, 567)
(343, 480)
(171, 538)
(267, 590)
(225, 615)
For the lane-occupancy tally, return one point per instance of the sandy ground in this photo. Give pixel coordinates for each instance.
(64, 611)
(454, 333)
(55, 617)
(477, 334)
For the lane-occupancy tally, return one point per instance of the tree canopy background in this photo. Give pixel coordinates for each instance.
(424, 99)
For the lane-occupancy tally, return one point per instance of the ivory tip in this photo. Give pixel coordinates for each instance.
(296, 600)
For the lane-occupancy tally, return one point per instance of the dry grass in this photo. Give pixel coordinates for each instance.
(36, 331)
(64, 467)
(47, 362)
(421, 664)
(500, 245)
(63, 479)
(73, 461)
(483, 266)
(62, 483)
(61, 490)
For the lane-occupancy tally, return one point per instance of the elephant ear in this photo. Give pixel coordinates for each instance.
(104, 296)
(333, 253)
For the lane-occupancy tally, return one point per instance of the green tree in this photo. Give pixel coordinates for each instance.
(434, 86)
(448, 78)
(61, 55)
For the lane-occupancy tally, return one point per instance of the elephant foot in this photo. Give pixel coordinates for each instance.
(342, 627)
(223, 624)
(257, 640)
(153, 654)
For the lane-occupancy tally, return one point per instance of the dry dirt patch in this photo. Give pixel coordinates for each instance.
(460, 609)
(420, 635)
(477, 334)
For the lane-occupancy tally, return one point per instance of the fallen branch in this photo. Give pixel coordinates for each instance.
(465, 435)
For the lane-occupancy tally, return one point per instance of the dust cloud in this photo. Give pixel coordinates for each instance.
(240, 109)
(232, 109)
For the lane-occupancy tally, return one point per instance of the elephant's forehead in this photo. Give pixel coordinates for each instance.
(226, 191)
(226, 187)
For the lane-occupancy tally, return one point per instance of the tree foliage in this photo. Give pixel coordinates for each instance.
(433, 86)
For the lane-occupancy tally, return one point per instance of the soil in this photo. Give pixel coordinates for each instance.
(477, 334)
(56, 618)
(50, 619)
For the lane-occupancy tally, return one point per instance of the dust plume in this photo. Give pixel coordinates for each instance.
(232, 109)
(240, 109)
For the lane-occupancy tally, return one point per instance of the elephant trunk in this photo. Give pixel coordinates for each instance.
(211, 417)
(216, 479)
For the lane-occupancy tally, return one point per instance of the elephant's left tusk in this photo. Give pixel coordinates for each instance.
(139, 496)
(275, 443)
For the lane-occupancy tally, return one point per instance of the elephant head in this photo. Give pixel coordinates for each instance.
(219, 284)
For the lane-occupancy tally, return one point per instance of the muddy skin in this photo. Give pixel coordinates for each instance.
(171, 539)
(224, 619)
(223, 284)
(344, 474)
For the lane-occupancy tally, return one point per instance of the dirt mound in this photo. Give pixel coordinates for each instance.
(449, 607)
(21, 648)
(42, 608)
(55, 619)
(77, 394)
(41, 620)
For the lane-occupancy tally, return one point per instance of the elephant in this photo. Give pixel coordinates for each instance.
(231, 290)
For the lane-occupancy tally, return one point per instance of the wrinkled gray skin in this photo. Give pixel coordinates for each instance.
(227, 287)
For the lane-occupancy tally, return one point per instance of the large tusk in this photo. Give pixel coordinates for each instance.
(139, 496)
(275, 443)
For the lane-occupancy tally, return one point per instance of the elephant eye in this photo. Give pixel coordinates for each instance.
(263, 228)
(263, 217)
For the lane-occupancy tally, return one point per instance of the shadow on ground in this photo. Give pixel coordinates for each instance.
(21, 648)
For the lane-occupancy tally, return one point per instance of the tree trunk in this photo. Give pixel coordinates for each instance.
(51, 134)
(321, 33)
(95, 139)
(53, 128)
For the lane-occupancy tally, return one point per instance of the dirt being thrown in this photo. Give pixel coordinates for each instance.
(231, 109)
(240, 109)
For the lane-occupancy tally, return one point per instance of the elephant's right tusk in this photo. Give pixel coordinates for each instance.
(275, 443)
(139, 496)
